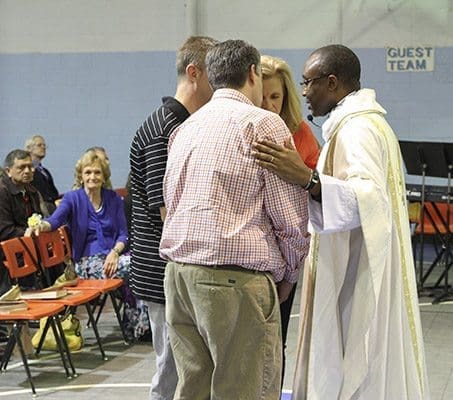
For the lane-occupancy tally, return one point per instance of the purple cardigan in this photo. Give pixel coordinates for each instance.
(75, 209)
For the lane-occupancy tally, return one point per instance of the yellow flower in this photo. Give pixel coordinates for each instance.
(34, 220)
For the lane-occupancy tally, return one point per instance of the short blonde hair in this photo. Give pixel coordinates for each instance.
(291, 107)
(91, 158)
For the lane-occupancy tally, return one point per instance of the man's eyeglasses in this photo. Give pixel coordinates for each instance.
(307, 82)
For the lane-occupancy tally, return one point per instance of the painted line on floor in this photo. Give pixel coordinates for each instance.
(91, 386)
(75, 387)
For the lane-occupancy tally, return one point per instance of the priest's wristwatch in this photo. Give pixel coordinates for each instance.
(314, 179)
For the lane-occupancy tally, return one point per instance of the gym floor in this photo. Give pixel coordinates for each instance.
(127, 372)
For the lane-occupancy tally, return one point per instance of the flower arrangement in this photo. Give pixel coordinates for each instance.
(34, 220)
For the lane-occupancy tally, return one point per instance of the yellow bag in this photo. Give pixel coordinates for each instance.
(72, 332)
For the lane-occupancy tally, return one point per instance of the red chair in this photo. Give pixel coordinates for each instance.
(122, 192)
(55, 247)
(436, 219)
(19, 254)
(74, 298)
(36, 311)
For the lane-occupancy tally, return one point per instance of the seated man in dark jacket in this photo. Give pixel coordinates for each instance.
(18, 201)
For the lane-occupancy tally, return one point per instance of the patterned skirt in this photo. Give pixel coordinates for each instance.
(135, 319)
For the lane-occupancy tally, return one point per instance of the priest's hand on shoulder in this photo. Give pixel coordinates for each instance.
(285, 161)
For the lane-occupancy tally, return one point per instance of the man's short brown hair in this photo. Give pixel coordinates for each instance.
(193, 51)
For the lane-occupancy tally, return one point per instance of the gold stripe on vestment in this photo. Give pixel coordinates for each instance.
(395, 194)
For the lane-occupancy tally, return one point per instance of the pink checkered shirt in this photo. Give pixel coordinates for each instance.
(222, 207)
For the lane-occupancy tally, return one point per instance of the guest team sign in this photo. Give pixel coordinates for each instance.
(410, 59)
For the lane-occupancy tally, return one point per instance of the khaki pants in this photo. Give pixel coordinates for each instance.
(224, 328)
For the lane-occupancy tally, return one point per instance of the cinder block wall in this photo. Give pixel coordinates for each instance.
(88, 72)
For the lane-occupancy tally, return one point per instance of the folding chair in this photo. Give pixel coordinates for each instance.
(19, 262)
(55, 247)
(74, 298)
(437, 225)
(36, 311)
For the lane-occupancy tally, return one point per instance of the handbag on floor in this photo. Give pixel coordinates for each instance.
(72, 332)
(68, 277)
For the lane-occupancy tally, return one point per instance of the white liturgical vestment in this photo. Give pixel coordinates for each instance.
(360, 331)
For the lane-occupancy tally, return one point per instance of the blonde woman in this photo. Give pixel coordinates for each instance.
(280, 96)
(102, 154)
(95, 217)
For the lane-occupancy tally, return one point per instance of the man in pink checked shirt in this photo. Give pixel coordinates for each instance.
(235, 236)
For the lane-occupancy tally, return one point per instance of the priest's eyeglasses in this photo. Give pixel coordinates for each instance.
(305, 83)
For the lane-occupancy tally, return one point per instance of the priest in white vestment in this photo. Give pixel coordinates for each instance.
(360, 331)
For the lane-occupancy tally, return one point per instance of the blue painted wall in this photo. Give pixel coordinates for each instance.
(79, 100)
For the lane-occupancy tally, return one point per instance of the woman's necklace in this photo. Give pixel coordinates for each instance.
(96, 201)
(97, 205)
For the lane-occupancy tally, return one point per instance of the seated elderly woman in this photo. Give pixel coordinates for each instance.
(95, 217)
(101, 152)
